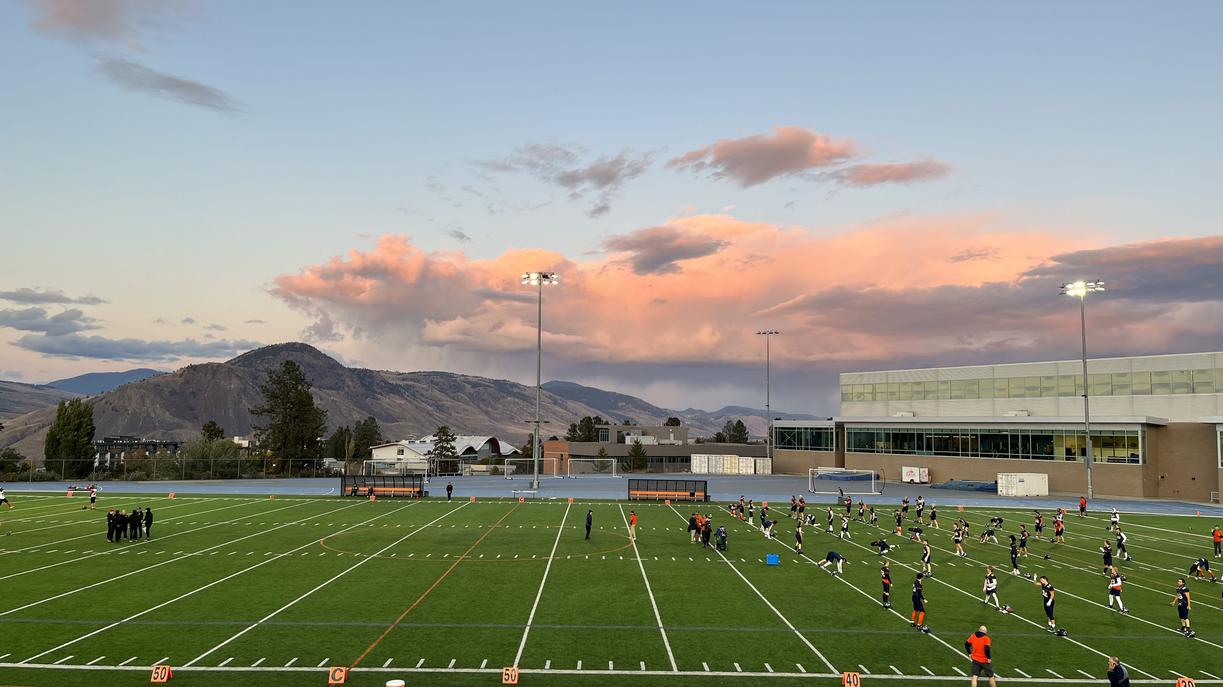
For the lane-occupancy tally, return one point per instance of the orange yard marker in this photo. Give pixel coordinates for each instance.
(509, 675)
(336, 675)
(473, 499)
(161, 674)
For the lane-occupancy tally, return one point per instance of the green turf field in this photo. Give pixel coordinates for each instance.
(261, 591)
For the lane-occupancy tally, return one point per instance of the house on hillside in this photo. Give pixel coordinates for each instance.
(412, 456)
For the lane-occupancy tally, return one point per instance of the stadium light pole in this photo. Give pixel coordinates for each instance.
(768, 334)
(538, 280)
(1080, 289)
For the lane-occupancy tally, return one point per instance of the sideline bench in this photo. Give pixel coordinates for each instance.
(668, 490)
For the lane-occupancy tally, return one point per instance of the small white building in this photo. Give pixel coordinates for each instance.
(395, 458)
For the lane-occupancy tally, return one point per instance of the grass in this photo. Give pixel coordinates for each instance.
(286, 585)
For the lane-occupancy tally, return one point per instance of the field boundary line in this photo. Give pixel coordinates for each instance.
(433, 586)
(594, 672)
(539, 594)
(347, 570)
(210, 584)
(768, 603)
(85, 502)
(53, 506)
(653, 603)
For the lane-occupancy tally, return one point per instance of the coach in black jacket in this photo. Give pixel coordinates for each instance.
(1118, 676)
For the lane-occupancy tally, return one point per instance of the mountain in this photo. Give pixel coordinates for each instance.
(407, 404)
(17, 398)
(94, 383)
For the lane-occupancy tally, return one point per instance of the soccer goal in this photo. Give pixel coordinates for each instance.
(591, 467)
(843, 481)
(523, 468)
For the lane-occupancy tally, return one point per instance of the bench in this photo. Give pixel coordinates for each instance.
(663, 495)
(410, 492)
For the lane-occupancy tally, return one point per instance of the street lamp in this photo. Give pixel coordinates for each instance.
(538, 280)
(1080, 289)
(768, 391)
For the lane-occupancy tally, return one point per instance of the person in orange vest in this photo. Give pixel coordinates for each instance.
(1217, 534)
(977, 647)
(632, 525)
(1082, 506)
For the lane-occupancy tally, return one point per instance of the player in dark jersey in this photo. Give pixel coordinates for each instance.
(1107, 552)
(921, 508)
(1049, 596)
(1038, 523)
(899, 520)
(845, 526)
(793, 506)
(1023, 540)
(1014, 556)
(798, 537)
(904, 508)
(926, 557)
(885, 574)
(934, 517)
(862, 511)
(833, 557)
(1059, 532)
(802, 507)
(1183, 604)
(990, 588)
(1122, 538)
(989, 534)
(957, 536)
(1200, 566)
(1114, 590)
(874, 519)
(918, 619)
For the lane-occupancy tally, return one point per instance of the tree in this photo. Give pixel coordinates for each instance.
(443, 447)
(732, 433)
(212, 431)
(365, 434)
(671, 422)
(210, 459)
(586, 429)
(69, 443)
(337, 443)
(638, 458)
(292, 423)
(10, 460)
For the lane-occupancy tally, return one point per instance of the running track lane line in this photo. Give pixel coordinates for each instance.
(658, 618)
(347, 570)
(539, 594)
(163, 604)
(428, 591)
(158, 565)
(831, 668)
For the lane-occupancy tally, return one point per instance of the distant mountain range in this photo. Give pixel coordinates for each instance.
(95, 383)
(407, 404)
(18, 399)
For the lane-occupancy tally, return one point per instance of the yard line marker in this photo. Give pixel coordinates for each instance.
(766, 667)
(831, 668)
(337, 576)
(161, 660)
(928, 671)
(485, 662)
(256, 663)
(95, 660)
(643, 665)
(324, 662)
(705, 666)
(579, 664)
(133, 658)
(653, 603)
(956, 669)
(387, 663)
(1087, 674)
(526, 631)
(1047, 670)
(420, 663)
(292, 660)
(864, 669)
(800, 667)
(224, 663)
(62, 659)
(1022, 673)
(896, 670)
(610, 666)
(547, 664)
(1213, 677)
(738, 669)
(186, 594)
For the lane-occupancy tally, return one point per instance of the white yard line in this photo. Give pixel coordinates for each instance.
(230, 576)
(526, 631)
(817, 652)
(155, 565)
(653, 603)
(337, 576)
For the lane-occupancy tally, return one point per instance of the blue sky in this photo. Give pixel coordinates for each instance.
(328, 125)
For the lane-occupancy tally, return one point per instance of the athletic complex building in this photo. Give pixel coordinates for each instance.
(1156, 425)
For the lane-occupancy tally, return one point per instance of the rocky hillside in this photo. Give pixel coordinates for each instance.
(100, 382)
(18, 399)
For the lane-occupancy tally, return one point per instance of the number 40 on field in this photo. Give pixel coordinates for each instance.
(849, 679)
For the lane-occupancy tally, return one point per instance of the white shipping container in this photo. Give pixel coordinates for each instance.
(700, 464)
(764, 466)
(747, 466)
(715, 465)
(1023, 484)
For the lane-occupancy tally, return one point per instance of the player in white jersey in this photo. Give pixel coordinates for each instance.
(990, 588)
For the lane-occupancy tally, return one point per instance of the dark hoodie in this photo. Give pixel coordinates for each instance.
(1119, 676)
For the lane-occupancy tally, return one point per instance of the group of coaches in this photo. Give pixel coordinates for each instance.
(123, 525)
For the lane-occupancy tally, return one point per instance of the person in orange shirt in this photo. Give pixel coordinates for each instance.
(977, 648)
(632, 525)
(1218, 537)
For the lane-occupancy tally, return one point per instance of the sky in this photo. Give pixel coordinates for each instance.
(889, 185)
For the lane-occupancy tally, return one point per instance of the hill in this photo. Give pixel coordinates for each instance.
(93, 383)
(18, 399)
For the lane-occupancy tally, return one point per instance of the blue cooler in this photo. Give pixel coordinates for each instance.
(772, 559)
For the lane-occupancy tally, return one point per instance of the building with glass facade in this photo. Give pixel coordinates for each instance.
(1156, 430)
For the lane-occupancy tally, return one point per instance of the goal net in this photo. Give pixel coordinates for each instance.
(520, 468)
(592, 467)
(843, 481)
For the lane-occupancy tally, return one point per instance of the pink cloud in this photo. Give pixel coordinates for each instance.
(891, 173)
(756, 159)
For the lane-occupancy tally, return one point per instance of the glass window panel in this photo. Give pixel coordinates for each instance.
(1161, 382)
(970, 389)
(1203, 381)
(1000, 388)
(1065, 385)
(1016, 387)
(931, 389)
(944, 390)
(1121, 384)
(986, 388)
(1031, 387)
(957, 389)
(906, 391)
(881, 392)
(1141, 383)
(893, 391)
(1101, 385)
(1182, 382)
(1048, 386)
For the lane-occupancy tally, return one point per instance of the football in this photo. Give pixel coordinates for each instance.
(925, 628)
